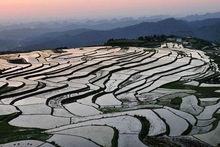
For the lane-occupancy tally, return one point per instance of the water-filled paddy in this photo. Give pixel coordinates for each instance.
(109, 96)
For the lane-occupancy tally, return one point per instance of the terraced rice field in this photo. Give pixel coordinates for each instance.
(105, 96)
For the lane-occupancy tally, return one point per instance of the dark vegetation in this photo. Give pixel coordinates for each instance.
(159, 142)
(176, 101)
(59, 49)
(157, 40)
(170, 102)
(107, 110)
(10, 133)
(145, 127)
(201, 92)
(165, 141)
(115, 138)
(6, 89)
(143, 41)
(18, 61)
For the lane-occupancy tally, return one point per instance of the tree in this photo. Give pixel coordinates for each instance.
(141, 38)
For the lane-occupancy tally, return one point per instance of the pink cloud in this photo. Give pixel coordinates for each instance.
(95, 8)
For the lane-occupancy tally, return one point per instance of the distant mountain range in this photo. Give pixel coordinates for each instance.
(208, 29)
(72, 35)
(103, 24)
(201, 17)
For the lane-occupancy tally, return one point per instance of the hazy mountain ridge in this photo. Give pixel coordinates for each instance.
(14, 35)
(202, 17)
(36, 38)
(205, 29)
(102, 24)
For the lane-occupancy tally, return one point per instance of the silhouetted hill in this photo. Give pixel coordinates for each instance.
(205, 29)
(55, 38)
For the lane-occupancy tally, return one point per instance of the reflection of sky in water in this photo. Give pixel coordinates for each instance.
(88, 107)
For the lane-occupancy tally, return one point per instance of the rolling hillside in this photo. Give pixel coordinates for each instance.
(109, 96)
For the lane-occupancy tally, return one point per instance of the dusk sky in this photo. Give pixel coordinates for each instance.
(34, 10)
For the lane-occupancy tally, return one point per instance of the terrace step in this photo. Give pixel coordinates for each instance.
(109, 96)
